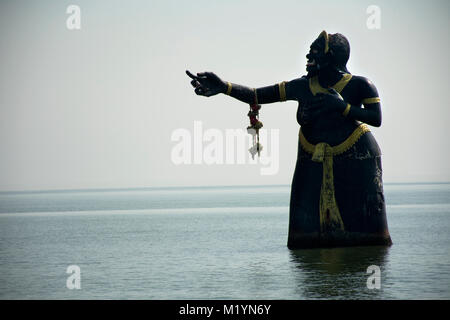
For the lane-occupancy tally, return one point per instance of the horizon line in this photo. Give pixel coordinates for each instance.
(99, 189)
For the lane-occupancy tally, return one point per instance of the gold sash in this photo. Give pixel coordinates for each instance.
(330, 218)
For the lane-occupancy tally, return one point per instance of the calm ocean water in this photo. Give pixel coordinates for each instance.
(212, 243)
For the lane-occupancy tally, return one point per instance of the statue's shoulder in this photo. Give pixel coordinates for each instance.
(297, 88)
(364, 86)
(362, 82)
(300, 81)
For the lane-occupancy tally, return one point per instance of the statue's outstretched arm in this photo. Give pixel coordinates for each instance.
(209, 84)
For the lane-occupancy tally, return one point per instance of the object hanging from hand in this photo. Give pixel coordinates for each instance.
(253, 129)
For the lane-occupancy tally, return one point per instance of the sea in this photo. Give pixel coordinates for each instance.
(212, 243)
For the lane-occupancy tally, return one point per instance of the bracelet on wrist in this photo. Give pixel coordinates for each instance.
(229, 87)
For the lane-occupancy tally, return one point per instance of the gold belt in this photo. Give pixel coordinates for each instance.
(330, 218)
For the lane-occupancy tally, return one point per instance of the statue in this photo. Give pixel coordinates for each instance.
(337, 190)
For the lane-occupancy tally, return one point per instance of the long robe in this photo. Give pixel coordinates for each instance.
(358, 211)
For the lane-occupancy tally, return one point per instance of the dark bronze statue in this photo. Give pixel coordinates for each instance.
(337, 189)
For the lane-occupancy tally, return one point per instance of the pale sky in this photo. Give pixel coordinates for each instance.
(96, 107)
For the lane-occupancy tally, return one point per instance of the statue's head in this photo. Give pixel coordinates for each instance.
(328, 51)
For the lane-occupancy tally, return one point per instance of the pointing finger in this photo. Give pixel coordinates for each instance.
(191, 75)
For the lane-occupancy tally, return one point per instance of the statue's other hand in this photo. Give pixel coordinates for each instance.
(207, 83)
(329, 102)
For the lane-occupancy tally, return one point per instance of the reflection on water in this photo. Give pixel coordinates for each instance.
(338, 273)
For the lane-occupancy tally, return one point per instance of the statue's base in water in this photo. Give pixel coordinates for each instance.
(338, 239)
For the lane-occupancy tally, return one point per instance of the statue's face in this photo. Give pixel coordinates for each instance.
(317, 59)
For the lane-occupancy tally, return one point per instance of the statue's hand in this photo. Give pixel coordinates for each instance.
(330, 102)
(207, 84)
(321, 103)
